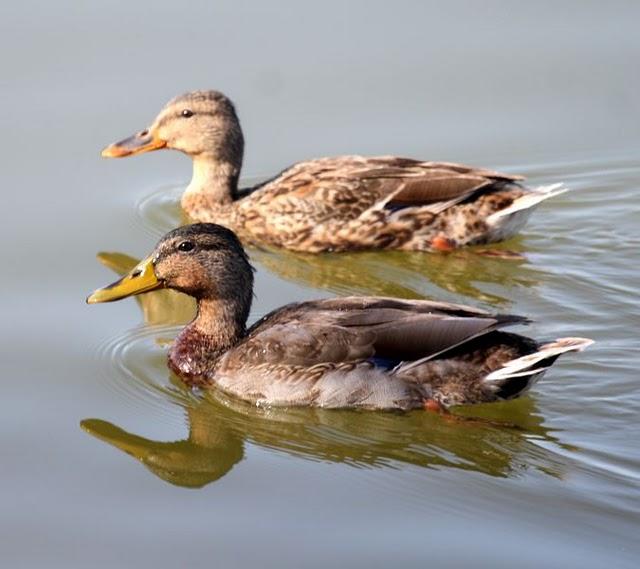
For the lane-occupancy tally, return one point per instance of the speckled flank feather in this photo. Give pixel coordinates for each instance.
(337, 204)
(361, 352)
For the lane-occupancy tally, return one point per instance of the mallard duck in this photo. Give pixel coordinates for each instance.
(333, 204)
(361, 352)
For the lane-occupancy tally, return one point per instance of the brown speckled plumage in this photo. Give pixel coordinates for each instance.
(332, 204)
(352, 202)
(365, 352)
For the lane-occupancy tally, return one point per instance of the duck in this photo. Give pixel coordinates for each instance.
(343, 203)
(369, 353)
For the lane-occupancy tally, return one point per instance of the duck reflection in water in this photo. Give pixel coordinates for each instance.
(503, 443)
(478, 274)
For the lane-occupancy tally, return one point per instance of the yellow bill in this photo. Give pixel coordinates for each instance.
(144, 141)
(142, 278)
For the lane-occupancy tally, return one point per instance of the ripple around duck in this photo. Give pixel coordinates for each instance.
(133, 367)
(159, 211)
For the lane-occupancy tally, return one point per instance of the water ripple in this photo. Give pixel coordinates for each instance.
(133, 367)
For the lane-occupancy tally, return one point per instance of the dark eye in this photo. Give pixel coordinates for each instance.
(186, 113)
(186, 246)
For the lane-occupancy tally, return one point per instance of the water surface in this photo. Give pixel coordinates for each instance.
(109, 461)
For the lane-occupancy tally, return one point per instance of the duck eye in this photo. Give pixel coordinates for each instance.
(186, 113)
(186, 246)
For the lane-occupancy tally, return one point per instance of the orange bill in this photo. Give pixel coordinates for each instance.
(144, 141)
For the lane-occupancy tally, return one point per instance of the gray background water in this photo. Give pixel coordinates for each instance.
(548, 89)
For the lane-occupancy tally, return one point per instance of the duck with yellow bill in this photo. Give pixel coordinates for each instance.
(352, 352)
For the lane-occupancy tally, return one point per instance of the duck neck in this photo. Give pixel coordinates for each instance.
(218, 327)
(221, 319)
(214, 184)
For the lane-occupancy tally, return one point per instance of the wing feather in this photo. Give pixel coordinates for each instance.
(356, 184)
(354, 329)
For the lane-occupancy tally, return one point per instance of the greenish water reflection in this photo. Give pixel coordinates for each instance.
(220, 427)
(406, 275)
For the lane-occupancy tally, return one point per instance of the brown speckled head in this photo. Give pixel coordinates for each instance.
(201, 122)
(204, 260)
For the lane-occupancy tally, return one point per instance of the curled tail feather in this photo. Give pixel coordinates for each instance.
(528, 201)
(519, 375)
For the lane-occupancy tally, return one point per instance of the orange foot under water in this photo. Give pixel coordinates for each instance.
(442, 243)
(434, 406)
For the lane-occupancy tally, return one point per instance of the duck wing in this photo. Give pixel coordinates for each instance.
(347, 186)
(357, 329)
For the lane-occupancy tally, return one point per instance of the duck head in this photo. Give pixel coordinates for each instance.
(204, 260)
(198, 123)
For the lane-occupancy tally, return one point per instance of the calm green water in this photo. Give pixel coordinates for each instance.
(108, 462)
